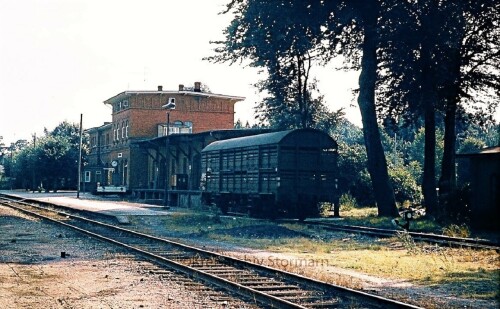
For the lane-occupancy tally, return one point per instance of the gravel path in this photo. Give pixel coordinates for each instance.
(93, 275)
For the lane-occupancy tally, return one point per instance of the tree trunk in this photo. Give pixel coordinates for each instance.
(429, 99)
(429, 178)
(377, 164)
(447, 182)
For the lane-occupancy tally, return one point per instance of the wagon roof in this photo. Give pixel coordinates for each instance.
(258, 140)
(495, 150)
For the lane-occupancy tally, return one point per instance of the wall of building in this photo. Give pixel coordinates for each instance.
(146, 113)
(485, 193)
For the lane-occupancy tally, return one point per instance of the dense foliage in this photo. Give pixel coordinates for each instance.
(50, 162)
(405, 159)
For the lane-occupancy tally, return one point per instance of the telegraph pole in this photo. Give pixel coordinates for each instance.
(80, 160)
(33, 183)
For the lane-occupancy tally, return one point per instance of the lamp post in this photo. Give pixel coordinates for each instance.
(169, 106)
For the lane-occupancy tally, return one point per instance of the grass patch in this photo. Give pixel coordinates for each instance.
(205, 223)
(368, 216)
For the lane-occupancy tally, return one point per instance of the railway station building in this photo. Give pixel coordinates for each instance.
(149, 129)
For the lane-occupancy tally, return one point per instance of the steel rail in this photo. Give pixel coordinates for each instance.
(264, 298)
(428, 237)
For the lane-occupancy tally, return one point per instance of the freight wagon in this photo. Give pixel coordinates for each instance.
(282, 174)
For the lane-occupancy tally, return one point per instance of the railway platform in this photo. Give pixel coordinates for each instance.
(87, 202)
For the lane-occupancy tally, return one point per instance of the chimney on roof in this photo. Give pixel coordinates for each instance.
(160, 88)
(197, 87)
(181, 87)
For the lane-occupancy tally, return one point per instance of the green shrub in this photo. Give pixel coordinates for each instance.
(405, 185)
(347, 202)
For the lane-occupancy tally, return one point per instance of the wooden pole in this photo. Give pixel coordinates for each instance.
(80, 159)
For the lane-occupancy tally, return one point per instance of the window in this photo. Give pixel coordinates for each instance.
(98, 177)
(87, 176)
(126, 130)
(123, 129)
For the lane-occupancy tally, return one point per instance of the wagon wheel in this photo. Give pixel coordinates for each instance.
(224, 207)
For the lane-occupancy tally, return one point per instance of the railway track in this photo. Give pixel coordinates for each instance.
(425, 237)
(264, 285)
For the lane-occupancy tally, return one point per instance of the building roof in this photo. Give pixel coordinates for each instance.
(485, 151)
(126, 94)
(106, 125)
(212, 135)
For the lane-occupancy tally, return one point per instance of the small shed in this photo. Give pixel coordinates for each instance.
(485, 186)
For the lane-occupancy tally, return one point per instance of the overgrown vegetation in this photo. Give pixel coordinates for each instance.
(454, 230)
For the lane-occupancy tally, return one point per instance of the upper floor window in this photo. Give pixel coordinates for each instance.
(93, 142)
(118, 106)
(117, 132)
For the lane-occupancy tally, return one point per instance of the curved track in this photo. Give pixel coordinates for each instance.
(265, 285)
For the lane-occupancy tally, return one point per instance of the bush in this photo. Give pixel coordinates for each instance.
(454, 230)
(347, 202)
(405, 185)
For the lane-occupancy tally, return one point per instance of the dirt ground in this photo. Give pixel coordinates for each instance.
(92, 275)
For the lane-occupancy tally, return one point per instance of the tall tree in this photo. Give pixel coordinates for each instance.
(285, 50)
(475, 64)
(368, 17)
(447, 59)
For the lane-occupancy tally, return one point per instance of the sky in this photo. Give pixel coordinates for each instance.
(63, 58)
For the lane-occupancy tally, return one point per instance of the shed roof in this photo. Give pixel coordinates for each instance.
(207, 136)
